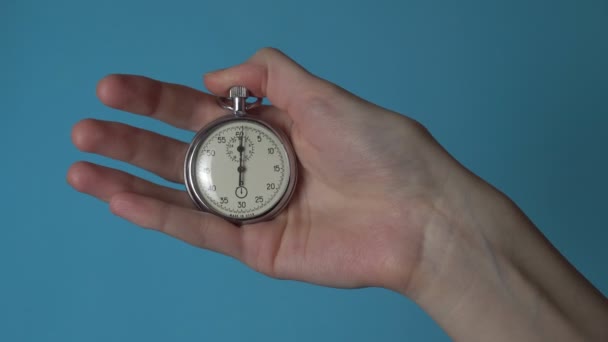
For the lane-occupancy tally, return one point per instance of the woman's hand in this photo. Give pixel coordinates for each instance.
(370, 179)
(378, 203)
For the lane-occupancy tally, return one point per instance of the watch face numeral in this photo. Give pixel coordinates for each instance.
(259, 199)
(221, 140)
(271, 150)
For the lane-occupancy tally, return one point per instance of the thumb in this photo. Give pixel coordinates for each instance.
(270, 73)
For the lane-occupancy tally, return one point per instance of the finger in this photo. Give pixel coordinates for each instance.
(174, 104)
(194, 227)
(272, 74)
(159, 154)
(103, 183)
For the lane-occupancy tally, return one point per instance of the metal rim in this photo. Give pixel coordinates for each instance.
(190, 179)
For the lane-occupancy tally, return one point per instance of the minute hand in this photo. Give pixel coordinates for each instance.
(241, 166)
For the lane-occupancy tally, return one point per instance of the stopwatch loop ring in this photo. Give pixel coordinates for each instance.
(236, 102)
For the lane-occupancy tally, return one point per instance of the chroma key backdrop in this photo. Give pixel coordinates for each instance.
(515, 90)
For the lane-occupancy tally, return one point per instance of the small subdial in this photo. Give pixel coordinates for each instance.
(233, 152)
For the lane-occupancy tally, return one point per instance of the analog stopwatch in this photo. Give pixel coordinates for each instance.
(239, 167)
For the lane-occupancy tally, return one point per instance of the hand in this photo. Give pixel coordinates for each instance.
(370, 178)
(379, 203)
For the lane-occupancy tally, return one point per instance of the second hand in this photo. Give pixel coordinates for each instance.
(241, 148)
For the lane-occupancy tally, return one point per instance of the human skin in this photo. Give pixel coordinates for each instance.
(379, 203)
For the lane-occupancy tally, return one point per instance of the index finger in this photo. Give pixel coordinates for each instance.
(270, 73)
(177, 105)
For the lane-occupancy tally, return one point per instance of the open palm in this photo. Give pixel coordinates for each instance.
(369, 178)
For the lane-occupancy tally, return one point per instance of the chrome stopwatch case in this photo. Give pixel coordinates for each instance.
(239, 167)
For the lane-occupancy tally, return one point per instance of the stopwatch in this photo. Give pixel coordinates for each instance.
(239, 167)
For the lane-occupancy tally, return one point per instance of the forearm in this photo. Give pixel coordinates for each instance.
(487, 274)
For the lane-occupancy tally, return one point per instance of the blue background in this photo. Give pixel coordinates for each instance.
(516, 90)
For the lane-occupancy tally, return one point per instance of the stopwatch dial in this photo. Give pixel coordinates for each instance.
(233, 147)
(242, 169)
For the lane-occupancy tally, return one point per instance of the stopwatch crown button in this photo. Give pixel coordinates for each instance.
(238, 91)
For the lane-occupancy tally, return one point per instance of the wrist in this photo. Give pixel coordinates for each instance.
(486, 271)
(460, 232)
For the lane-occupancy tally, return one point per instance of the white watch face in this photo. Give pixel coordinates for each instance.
(241, 169)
